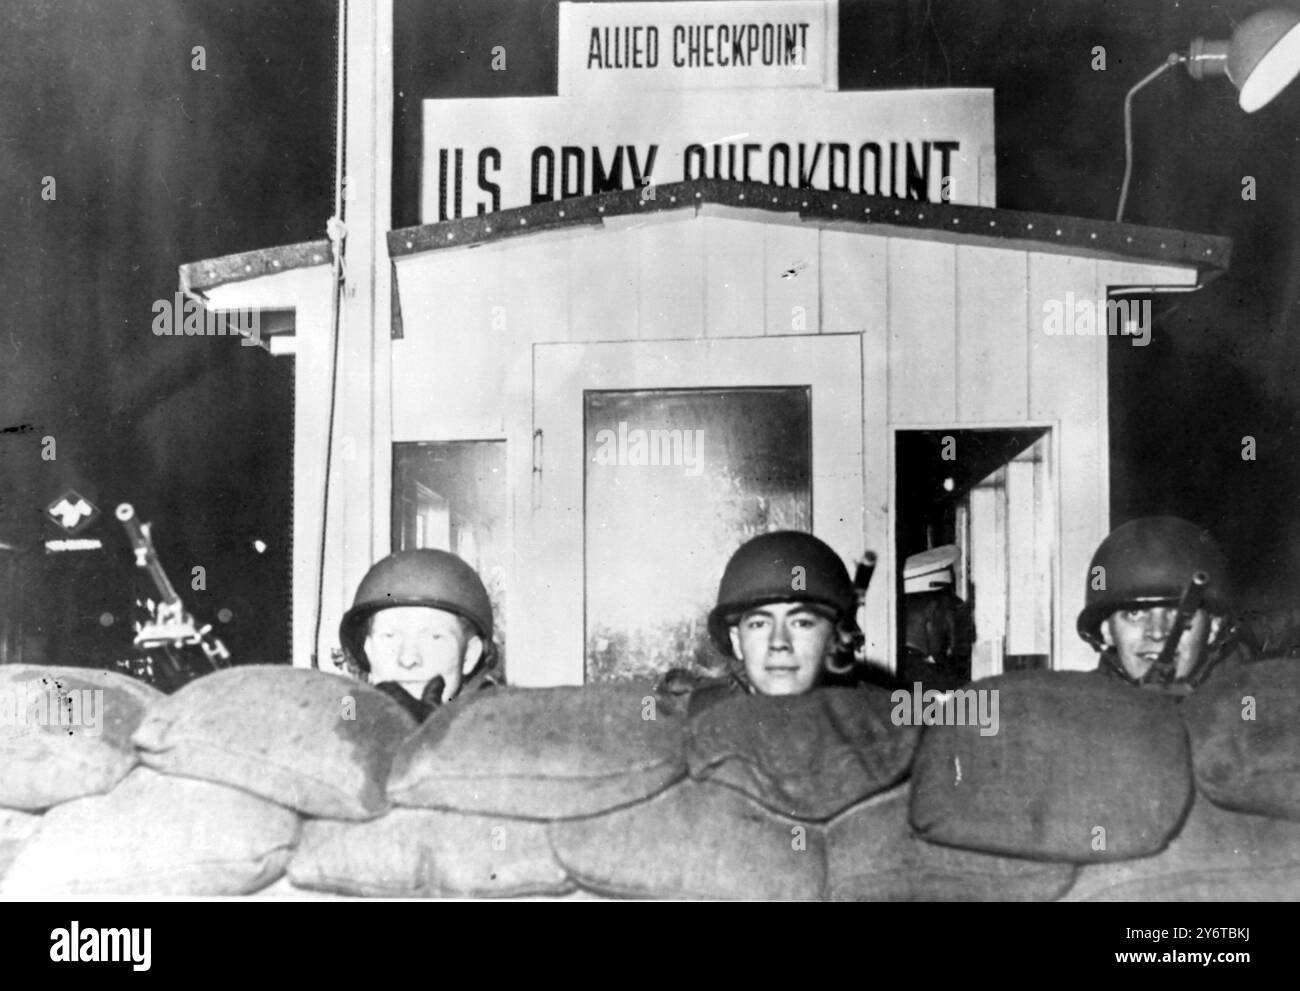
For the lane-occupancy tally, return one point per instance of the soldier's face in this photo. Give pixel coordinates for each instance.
(783, 646)
(412, 645)
(1139, 635)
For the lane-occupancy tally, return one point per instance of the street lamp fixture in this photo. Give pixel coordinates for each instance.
(1261, 59)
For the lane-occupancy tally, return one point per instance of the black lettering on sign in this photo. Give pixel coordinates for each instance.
(838, 152)
(623, 47)
(806, 175)
(869, 147)
(945, 150)
(918, 175)
(639, 177)
(779, 177)
(693, 162)
(572, 165)
(483, 183)
(717, 162)
(543, 158)
(606, 180)
(455, 180)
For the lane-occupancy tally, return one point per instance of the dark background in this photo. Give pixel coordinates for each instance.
(158, 164)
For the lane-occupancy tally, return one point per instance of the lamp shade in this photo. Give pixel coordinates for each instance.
(1264, 56)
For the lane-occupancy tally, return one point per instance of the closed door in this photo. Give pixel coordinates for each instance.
(652, 463)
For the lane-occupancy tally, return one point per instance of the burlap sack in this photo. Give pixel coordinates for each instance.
(58, 743)
(1218, 856)
(15, 829)
(421, 853)
(541, 753)
(873, 855)
(1244, 725)
(284, 890)
(696, 840)
(155, 835)
(808, 756)
(316, 742)
(1083, 768)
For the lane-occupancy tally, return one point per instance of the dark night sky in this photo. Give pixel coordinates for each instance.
(158, 164)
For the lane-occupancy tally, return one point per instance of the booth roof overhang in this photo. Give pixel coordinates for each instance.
(1101, 239)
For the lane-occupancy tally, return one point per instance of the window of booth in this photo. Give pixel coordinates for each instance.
(675, 481)
(452, 496)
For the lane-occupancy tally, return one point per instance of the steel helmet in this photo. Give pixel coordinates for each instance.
(763, 571)
(1150, 560)
(424, 577)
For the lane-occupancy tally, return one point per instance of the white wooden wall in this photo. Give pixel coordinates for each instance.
(951, 336)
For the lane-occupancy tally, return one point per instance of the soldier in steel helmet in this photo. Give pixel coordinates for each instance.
(1159, 605)
(784, 617)
(420, 629)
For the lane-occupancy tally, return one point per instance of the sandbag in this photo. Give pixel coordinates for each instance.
(808, 756)
(541, 753)
(873, 855)
(695, 840)
(15, 829)
(1244, 725)
(1218, 856)
(282, 889)
(422, 853)
(316, 742)
(155, 835)
(60, 738)
(1083, 768)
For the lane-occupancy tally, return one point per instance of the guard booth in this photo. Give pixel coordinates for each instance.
(594, 384)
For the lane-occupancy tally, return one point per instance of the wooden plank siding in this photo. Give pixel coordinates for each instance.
(922, 332)
(605, 285)
(791, 279)
(992, 366)
(734, 298)
(1067, 385)
(447, 372)
(855, 287)
(536, 287)
(673, 279)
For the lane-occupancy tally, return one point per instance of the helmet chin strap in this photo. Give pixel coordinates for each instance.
(1161, 673)
(1150, 680)
(1164, 677)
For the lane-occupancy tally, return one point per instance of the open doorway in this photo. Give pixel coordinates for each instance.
(975, 544)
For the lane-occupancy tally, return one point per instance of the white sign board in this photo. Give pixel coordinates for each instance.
(673, 46)
(485, 155)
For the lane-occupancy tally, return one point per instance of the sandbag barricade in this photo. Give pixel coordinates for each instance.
(1082, 769)
(873, 854)
(421, 853)
(544, 753)
(316, 742)
(155, 835)
(602, 791)
(1245, 733)
(66, 732)
(748, 824)
(1218, 856)
(695, 840)
(807, 756)
(15, 829)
